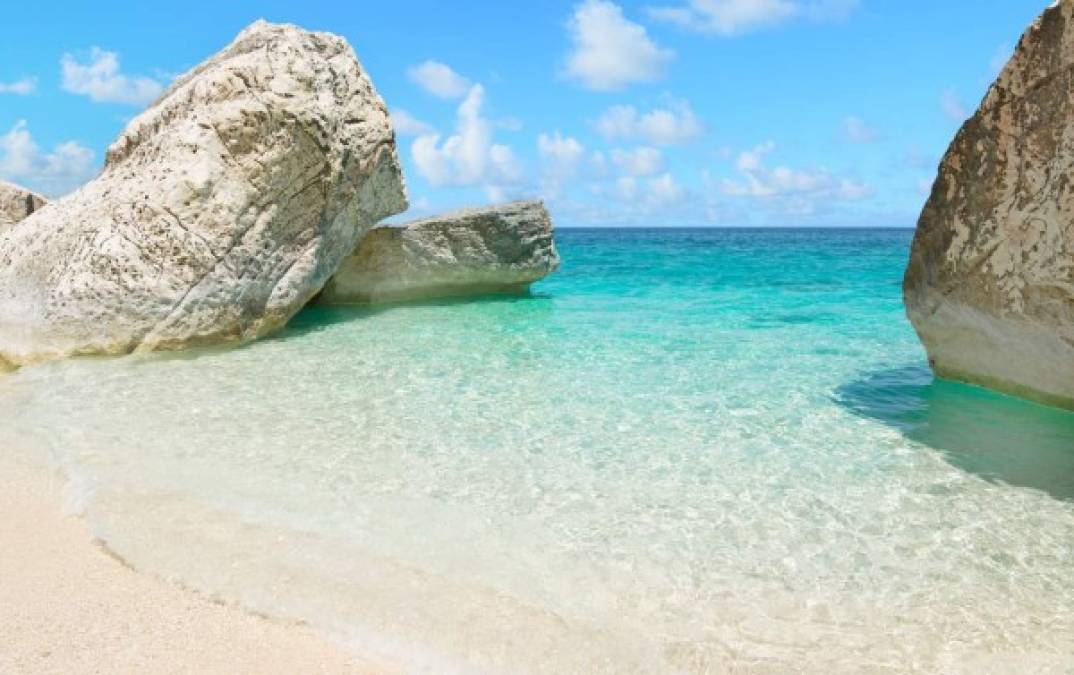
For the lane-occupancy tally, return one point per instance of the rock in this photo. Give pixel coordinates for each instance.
(222, 209)
(498, 249)
(17, 203)
(990, 284)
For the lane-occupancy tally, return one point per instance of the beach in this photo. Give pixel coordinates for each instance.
(733, 459)
(71, 606)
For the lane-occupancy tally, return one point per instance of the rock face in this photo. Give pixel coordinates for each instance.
(222, 209)
(17, 203)
(990, 284)
(499, 249)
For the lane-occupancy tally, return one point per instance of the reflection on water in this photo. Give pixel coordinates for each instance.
(994, 436)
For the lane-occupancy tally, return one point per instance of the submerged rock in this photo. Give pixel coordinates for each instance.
(990, 284)
(221, 210)
(16, 203)
(498, 249)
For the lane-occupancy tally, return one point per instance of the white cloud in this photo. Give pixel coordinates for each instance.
(609, 51)
(675, 124)
(408, 125)
(102, 81)
(654, 193)
(439, 80)
(664, 190)
(560, 149)
(641, 161)
(469, 157)
(751, 160)
(855, 130)
(561, 157)
(952, 106)
(54, 173)
(23, 87)
(793, 190)
(734, 17)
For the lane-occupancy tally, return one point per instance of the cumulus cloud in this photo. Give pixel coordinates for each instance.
(102, 81)
(952, 106)
(23, 87)
(469, 157)
(408, 125)
(439, 80)
(609, 51)
(674, 124)
(641, 161)
(855, 130)
(648, 195)
(735, 17)
(561, 156)
(55, 173)
(794, 190)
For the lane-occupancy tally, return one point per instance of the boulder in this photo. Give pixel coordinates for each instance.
(990, 283)
(17, 203)
(498, 249)
(221, 210)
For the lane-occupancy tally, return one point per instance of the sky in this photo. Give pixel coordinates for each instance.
(736, 113)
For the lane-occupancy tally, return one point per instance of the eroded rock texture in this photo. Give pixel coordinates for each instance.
(222, 209)
(16, 203)
(990, 284)
(499, 249)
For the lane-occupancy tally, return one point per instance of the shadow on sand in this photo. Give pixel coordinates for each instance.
(997, 437)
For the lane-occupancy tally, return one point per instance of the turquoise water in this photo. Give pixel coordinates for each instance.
(687, 451)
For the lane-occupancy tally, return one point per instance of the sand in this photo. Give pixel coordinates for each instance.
(68, 606)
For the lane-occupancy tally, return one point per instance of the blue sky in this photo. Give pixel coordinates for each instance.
(657, 112)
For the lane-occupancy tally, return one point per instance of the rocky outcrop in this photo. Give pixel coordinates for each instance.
(990, 284)
(222, 209)
(17, 203)
(499, 249)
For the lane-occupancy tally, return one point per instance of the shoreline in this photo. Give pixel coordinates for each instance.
(71, 606)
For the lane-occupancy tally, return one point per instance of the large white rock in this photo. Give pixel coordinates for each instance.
(990, 284)
(221, 210)
(16, 203)
(498, 249)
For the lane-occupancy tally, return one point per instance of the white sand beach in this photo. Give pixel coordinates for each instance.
(68, 606)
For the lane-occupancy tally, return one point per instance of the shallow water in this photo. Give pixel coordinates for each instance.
(688, 451)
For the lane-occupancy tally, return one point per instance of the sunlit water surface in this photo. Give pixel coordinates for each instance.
(688, 451)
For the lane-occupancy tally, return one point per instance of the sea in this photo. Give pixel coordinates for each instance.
(687, 451)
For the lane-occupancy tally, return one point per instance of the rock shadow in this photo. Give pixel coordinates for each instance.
(1000, 438)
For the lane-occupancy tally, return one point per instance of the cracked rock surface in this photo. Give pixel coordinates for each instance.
(16, 203)
(222, 209)
(990, 284)
(496, 249)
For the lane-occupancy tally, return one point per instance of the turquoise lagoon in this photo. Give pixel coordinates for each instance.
(687, 451)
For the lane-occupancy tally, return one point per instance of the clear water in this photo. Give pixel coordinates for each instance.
(688, 451)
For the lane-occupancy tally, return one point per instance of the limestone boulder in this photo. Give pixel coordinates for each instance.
(221, 210)
(16, 203)
(990, 283)
(498, 249)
